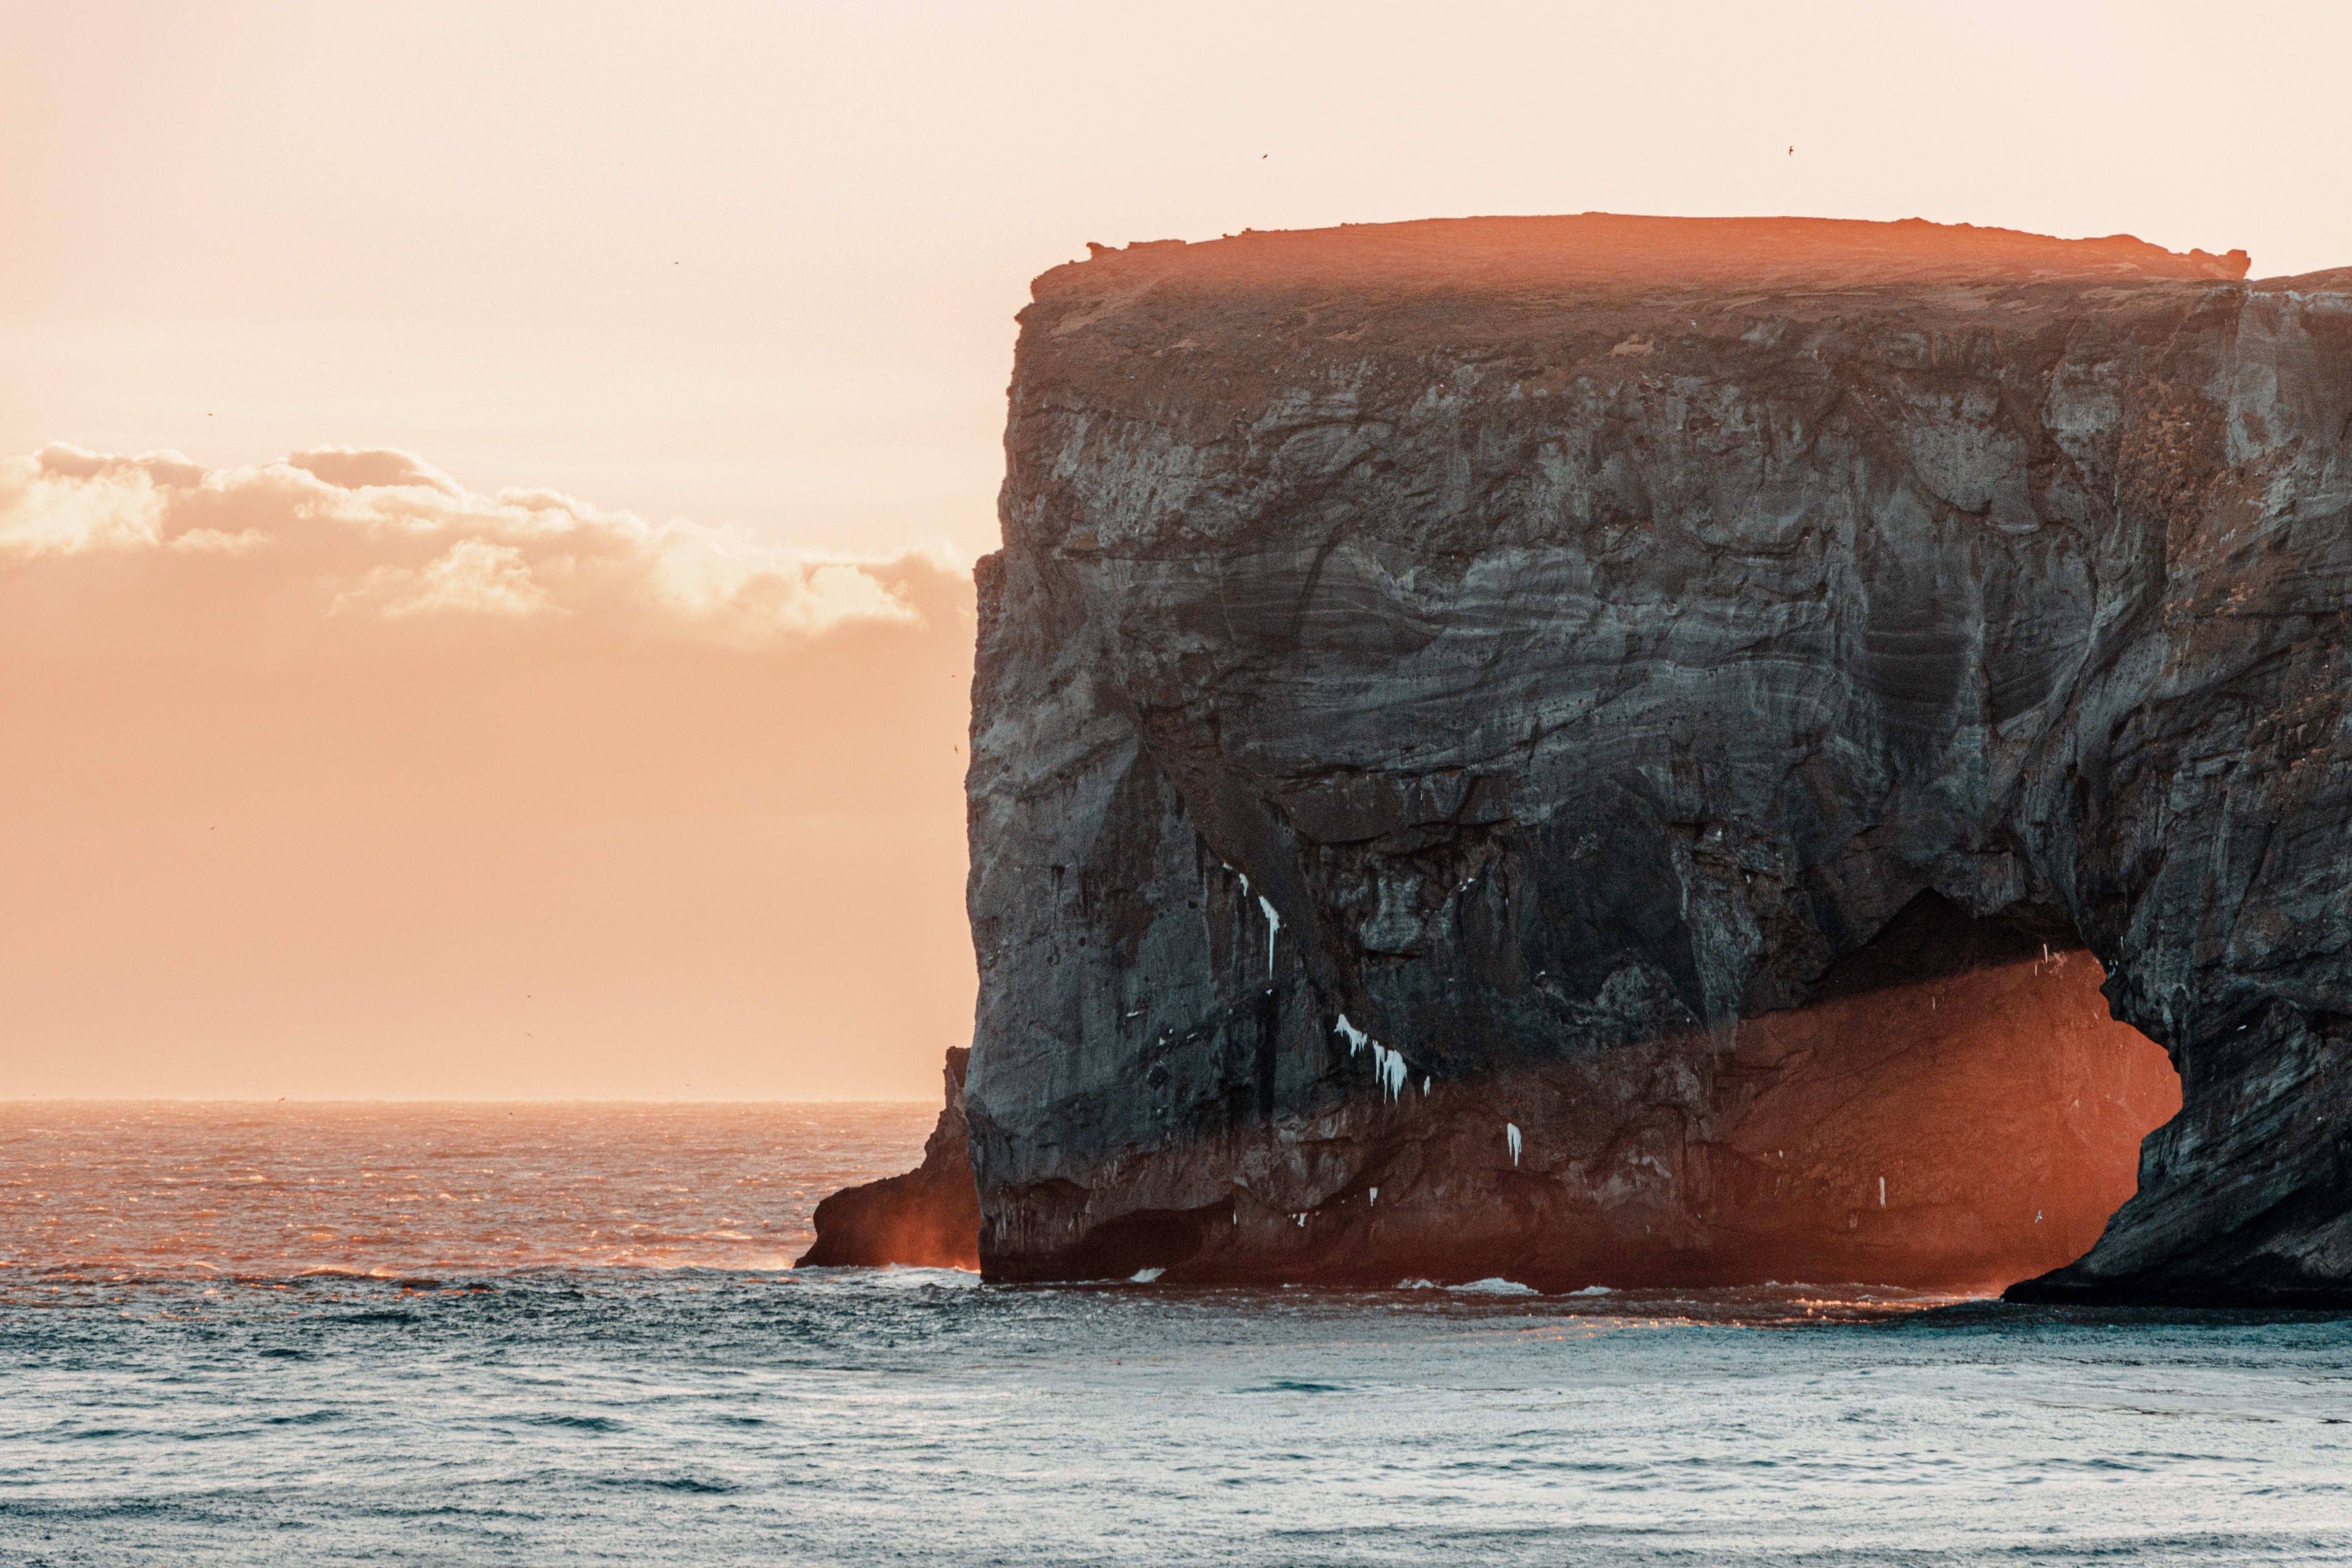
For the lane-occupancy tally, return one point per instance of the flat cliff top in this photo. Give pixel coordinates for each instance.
(1611, 254)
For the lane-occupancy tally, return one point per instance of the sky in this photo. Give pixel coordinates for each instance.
(486, 488)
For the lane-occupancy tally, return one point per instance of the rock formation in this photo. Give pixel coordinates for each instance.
(1576, 748)
(930, 1217)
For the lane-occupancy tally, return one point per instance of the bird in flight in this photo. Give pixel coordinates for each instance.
(1792, 152)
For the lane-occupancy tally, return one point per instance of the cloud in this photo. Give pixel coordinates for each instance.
(474, 577)
(383, 535)
(359, 470)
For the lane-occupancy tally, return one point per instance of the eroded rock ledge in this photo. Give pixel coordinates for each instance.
(1459, 703)
(930, 1217)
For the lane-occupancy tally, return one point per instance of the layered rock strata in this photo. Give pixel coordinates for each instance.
(928, 1217)
(1486, 711)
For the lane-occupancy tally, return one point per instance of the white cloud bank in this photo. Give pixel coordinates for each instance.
(384, 534)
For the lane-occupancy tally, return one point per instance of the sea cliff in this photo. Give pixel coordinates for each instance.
(1622, 750)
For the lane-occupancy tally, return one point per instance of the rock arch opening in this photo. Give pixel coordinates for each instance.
(1957, 1107)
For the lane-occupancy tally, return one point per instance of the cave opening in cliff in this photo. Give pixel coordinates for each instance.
(1957, 1107)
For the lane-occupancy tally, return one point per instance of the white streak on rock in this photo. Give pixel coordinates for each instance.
(1511, 1137)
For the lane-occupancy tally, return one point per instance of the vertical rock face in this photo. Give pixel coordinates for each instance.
(928, 1217)
(1576, 748)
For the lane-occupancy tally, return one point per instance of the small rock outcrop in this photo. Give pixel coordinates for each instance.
(1575, 748)
(930, 1217)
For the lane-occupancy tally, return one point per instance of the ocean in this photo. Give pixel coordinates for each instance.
(308, 1334)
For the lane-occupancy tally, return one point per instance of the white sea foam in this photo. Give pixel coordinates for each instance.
(888, 1277)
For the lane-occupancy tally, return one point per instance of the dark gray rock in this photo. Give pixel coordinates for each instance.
(1555, 646)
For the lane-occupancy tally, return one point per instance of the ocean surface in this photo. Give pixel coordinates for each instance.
(308, 1334)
